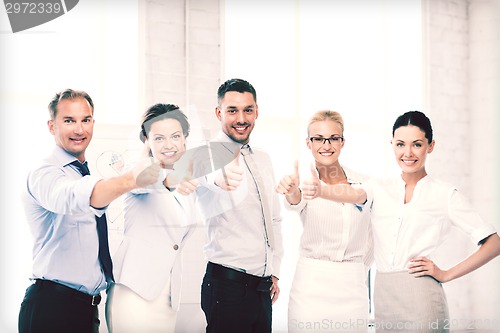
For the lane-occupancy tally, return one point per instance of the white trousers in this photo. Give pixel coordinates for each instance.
(127, 312)
(328, 297)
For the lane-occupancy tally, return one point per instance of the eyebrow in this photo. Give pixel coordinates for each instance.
(399, 140)
(331, 136)
(69, 117)
(245, 107)
(161, 134)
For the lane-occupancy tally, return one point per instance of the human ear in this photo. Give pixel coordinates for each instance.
(50, 125)
(431, 147)
(218, 112)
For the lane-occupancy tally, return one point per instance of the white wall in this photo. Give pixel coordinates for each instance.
(484, 104)
(462, 81)
(94, 48)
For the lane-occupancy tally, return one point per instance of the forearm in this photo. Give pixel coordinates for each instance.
(107, 190)
(344, 193)
(488, 251)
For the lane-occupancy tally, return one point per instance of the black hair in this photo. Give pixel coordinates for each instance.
(163, 111)
(415, 118)
(238, 85)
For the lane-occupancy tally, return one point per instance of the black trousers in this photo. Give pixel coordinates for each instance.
(46, 309)
(235, 302)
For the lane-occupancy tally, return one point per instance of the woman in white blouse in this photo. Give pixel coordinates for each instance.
(411, 216)
(147, 264)
(329, 291)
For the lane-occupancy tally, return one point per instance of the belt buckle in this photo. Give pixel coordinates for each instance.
(96, 300)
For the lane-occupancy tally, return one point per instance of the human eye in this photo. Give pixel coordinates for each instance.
(68, 121)
(176, 137)
(231, 111)
(316, 139)
(249, 110)
(159, 138)
(418, 144)
(399, 144)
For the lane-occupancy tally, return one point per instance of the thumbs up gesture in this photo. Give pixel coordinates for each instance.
(289, 186)
(229, 177)
(147, 171)
(187, 187)
(311, 188)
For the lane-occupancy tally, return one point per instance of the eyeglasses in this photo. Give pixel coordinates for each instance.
(331, 140)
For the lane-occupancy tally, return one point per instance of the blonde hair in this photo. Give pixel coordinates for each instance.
(326, 115)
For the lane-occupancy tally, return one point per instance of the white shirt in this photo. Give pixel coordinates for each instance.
(404, 231)
(335, 231)
(236, 230)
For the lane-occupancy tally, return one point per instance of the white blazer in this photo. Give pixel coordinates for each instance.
(157, 224)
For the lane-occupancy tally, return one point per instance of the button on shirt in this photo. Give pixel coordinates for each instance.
(236, 230)
(157, 224)
(63, 224)
(404, 231)
(334, 231)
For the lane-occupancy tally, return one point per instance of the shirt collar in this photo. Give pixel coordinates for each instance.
(63, 157)
(223, 137)
(229, 143)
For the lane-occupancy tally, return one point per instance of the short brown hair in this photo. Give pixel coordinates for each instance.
(68, 94)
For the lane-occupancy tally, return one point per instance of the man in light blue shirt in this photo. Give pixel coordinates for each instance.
(62, 205)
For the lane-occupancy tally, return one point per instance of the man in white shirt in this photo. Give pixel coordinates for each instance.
(242, 213)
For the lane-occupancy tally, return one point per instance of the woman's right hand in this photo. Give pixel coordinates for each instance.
(289, 186)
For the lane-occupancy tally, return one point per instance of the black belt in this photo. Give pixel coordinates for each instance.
(222, 272)
(62, 289)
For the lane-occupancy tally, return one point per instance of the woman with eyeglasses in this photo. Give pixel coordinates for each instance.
(411, 216)
(329, 290)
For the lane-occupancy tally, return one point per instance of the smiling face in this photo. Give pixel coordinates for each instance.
(167, 141)
(237, 113)
(325, 153)
(73, 126)
(410, 149)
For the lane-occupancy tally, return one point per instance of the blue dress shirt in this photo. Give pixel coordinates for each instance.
(63, 224)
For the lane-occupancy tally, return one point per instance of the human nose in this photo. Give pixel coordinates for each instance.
(240, 117)
(168, 143)
(408, 151)
(327, 141)
(78, 128)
